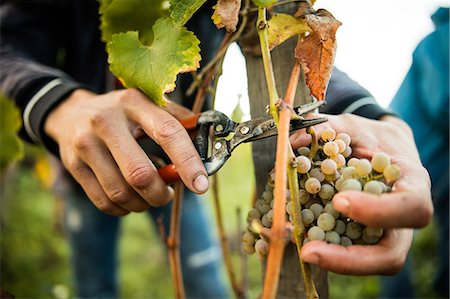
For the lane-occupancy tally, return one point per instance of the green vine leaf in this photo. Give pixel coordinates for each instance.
(226, 14)
(264, 3)
(135, 15)
(10, 122)
(153, 69)
(283, 26)
(182, 10)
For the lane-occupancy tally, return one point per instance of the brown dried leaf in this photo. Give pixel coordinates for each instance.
(316, 52)
(226, 14)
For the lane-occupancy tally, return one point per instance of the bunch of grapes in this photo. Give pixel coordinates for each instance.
(323, 173)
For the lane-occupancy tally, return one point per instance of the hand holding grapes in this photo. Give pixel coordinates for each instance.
(407, 206)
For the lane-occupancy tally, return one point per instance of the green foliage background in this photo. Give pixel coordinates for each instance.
(35, 254)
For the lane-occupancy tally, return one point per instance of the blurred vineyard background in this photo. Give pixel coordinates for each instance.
(35, 254)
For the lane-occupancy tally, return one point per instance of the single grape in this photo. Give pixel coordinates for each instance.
(341, 145)
(289, 208)
(346, 241)
(352, 162)
(316, 233)
(303, 196)
(374, 187)
(392, 173)
(353, 230)
(303, 151)
(265, 221)
(326, 221)
(331, 149)
(363, 167)
(254, 224)
(303, 164)
(317, 173)
(338, 184)
(248, 238)
(332, 237)
(328, 166)
(340, 227)
(380, 161)
(349, 172)
(247, 248)
(344, 137)
(307, 216)
(261, 206)
(305, 240)
(351, 184)
(261, 247)
(326, 192)
(317, 209)
(347, 152)
(312, 185)
(328, 134)
(369, 239)
(332, 177)
(270, 215)
(253, 214)
(267, 196)
(331, 210)
(376, 232)
(340, 160)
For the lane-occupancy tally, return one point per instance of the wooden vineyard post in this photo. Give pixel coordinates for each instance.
(291, 283)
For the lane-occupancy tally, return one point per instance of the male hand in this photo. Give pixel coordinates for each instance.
(97, 136)
(408, 206)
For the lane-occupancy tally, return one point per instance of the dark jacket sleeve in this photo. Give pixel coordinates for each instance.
(344, 95)
(32, 41)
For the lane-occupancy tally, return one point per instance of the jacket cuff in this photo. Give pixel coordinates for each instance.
(40, 105)
(367, 107)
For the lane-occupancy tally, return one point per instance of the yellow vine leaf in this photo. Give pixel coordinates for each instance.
(283, 26)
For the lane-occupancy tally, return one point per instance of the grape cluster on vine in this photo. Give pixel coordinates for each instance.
(324, 169)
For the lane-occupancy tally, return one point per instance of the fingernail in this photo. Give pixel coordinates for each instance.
(201, 184)
(341, 204)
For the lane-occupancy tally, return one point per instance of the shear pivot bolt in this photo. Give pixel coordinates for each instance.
(244, 130)
(218, 145)
(219, 128)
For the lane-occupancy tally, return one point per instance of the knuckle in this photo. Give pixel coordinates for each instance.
(140, 175)
(99, 119)
(168, 130)
(83, 142)
(120, 196)
(129, 95)
(109, 208)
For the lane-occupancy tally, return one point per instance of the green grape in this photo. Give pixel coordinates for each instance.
(380, 161)
(332, 177)
(331, 210)
(349, 172)
(344, 137)
(265, 221)
(369, 239)
(340, 160)
(303, 164)
(331, 149)
(304, 196)
(352, 162)
(363, 167)
(248, 249)
(316, 233)
(307, 216)
(317, 209)
(303, 151)
(289, 208)
(353, 230)
(340, 227)
(253, 214)
(376, 232)
(332, 237)
(347, 152)
(374, 187)
(305, 240)
(252, 225)
(326, 221)
(328, 166)
(326, 192)
(267, 196)
(338, 184)
(248, 238)
(312, 185)
(270, 215)
(341, 145)
(346, 241)
(351, 184)
(261, 247)
(317, 173)
(261, 206)
(328, 134)
(392, 173)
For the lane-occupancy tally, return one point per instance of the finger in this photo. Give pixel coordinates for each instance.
(86, 178)
(386, 257)
(165, 130)
(135, 166)
(402, 208)
(98, 158)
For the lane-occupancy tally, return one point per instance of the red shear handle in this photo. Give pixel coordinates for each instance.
(169, 174)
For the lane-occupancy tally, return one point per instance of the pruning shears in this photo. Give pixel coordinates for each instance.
(215, 149)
